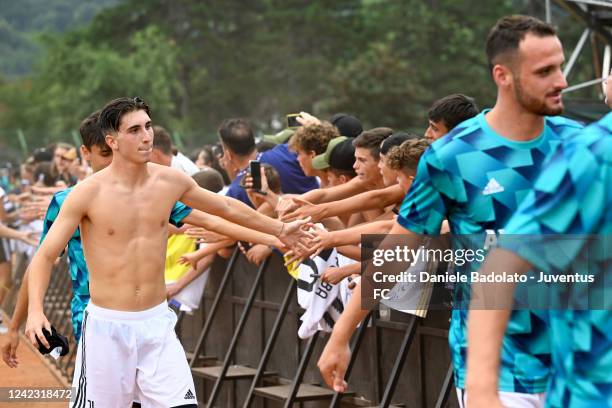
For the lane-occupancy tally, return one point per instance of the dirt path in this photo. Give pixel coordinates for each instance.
(31, 373)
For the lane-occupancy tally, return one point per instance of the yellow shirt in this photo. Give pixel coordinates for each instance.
(178, 245)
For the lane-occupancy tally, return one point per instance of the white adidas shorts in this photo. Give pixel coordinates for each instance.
(511, 399)
(131, 356)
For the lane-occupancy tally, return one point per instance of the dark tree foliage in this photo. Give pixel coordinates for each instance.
(198, 62)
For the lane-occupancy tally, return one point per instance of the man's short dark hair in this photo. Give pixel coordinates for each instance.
(505, 36)
(91, 134)
(46, 173)
(162, 140)
(396, 139)
(209, 179)
(452, 110)
(42, 155)
(349, 174)
(347, 125)
(112, 112)
(237, 135)
(371, 139)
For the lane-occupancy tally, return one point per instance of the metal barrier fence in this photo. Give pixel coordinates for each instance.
(248, 353)
(57, 308)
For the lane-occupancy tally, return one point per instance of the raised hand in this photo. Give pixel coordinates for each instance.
(188, 259)
(334, 275)
(29, 238)
(296, 235)
(285, 204)
(303, 209)
(298, 254)
(306, 119)
(248, 182)
(323, 239)
(258, 253)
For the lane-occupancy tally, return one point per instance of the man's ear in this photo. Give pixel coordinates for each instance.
(85, 153)
(502, 75)
(111, 142)
(228, 153)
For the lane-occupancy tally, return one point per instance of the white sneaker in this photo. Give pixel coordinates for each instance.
(3, 328)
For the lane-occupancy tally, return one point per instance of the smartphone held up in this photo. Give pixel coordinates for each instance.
(255, 170)
(292, 121)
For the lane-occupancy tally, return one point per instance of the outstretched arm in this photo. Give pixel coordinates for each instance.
(9, 348)
(336, 354)
(68, 220)
(237, 232)
(11, 233)
(323, 195)
(350, 236)
(369, 200)
(335, 357)
(236, 211)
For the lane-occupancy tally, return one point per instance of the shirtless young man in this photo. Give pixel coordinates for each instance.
(123, 212)
(95, 151)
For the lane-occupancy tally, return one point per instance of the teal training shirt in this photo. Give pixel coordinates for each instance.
(573, 195)
(476, 179)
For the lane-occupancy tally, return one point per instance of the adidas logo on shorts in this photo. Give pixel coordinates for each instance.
(189, 395)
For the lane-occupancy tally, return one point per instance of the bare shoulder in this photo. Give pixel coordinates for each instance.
(165, 173)
(88, 187)
(355, 185)
(84, 193)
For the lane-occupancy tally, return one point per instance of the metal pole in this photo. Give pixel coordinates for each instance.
(583, 85)
(399, 362)
(299, 375)
(576, 52)
(213, 309)
(271, 341)
(237, 332)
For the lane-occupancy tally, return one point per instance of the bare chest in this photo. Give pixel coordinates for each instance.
(118, 213)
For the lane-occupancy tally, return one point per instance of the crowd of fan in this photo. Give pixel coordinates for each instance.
(347, 179)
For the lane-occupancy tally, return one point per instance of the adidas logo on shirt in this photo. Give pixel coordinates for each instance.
(189, 395)
(492, 187)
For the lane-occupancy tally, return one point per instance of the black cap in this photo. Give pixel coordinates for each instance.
(396, 139)
(343, 155)
(347, 125)
(42, 155)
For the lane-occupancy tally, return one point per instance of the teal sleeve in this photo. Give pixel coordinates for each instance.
(569, 204)
(50, 217)
(179, 212)
(424, 209)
